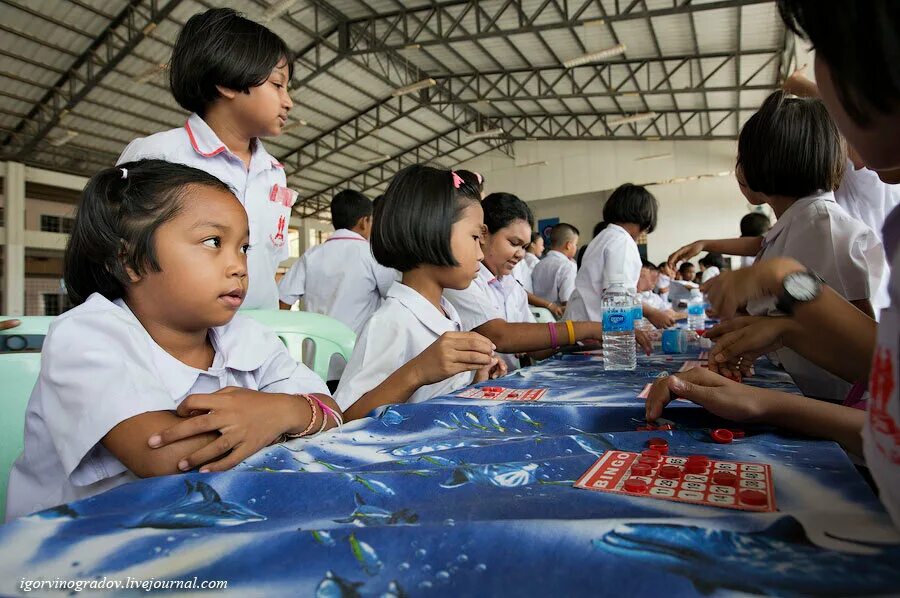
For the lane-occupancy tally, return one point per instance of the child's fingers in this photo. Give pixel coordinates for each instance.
(474, 342)
(197, 402)
(216, 448)
(658, 397)
(240, 452)
(472, 359)
(193, 426)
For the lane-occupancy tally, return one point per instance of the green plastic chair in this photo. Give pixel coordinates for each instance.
(542, 315)
(313, 339)
(19, 369)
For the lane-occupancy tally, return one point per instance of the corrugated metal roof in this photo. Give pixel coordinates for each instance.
(498, 64)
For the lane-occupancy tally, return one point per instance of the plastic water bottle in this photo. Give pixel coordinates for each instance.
(637, 309)
(618, 328)
(696, 313)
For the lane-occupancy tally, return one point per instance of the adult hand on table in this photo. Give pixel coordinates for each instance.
(741, 341)
(730, 291)
(717, 394)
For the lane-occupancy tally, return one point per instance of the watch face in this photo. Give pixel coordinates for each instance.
(801, 286)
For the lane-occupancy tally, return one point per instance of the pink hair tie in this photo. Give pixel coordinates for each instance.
(480, 178)
(457, 180)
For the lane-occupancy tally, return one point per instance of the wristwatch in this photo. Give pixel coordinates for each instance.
(799, 287)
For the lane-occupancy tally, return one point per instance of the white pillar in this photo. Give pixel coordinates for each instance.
(14, 251)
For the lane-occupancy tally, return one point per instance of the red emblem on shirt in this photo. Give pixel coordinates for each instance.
(881, 387)
(278, 237)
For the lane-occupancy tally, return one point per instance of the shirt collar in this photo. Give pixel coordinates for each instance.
(557, 255)
(234, 350)
(424, 311)
(207, 144)
(792, 212)
(346, 233)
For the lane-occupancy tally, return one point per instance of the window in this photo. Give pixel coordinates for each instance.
(55, 304)
(49, 224)
(56, 224)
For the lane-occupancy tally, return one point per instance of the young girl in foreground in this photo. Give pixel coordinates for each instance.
(429, 227)
(152, 373)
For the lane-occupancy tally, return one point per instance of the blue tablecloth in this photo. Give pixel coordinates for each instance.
(462, 497)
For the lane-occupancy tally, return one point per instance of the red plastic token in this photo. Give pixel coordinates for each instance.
(753, 498)
(698, 459)
(666, 427)
(641, 469)
(649, 461)
(695, 467)
(722, 436)
(636, 485)
(669, 471)
(724, 478)
(513, 394)
(737, 433)
(655, 443)
(652, 454)
(492, 389)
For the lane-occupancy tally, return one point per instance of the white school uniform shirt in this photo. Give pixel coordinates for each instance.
(524, 271)
(709, 274)
(262, 190)
(868, 199)
(340, 279)
(653, 300)
(491, 298)
(881, 432)
(747, 260)
(848, 256)
(554, 277)
(99, 367)
(405, 325)
(611, 255)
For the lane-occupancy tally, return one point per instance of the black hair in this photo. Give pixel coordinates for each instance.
(755, 224)
(221, 47)
(502, 209)
(662, 265)
(562, 233)
(684, 267)
(535, 236)
(713, 259)
(413, 221)
(631, 204)
(347, 207)
(649, 265)
(473, 178)
(791, 147)
(118, 215)
(869, 75)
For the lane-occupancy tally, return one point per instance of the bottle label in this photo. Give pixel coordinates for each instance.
(695, 310)
(617, 319)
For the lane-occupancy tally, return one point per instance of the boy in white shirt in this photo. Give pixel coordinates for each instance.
(554, 276)
(340, 278)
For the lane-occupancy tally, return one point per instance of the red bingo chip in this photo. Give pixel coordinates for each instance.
(724, 478)
(722, 436)
(636, 485)
(670, 472)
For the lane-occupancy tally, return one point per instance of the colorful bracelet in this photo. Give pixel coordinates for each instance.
(338, 419)
(571, 328)
(313, 409)
(554, 342)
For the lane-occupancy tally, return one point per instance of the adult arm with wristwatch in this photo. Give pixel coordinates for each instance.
(821, 325)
